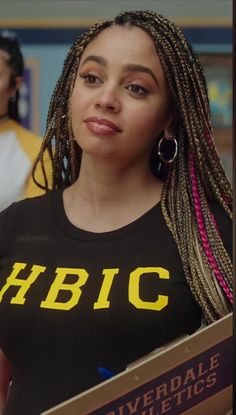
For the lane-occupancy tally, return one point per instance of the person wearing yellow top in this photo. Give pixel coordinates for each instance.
(19, 147)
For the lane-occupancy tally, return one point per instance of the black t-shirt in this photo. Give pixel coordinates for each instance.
(72, 301)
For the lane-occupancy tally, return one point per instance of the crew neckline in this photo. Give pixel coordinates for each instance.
(64, 224)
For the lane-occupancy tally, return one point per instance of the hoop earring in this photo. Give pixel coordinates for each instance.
(170, 139)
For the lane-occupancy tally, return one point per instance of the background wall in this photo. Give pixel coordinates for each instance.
(201, 10)
(47, 28)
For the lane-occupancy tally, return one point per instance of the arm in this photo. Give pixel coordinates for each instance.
(5, 375)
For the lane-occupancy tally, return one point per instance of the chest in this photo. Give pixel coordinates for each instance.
(84, 277)
(96, 288)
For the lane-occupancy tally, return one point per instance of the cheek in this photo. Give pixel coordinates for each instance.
(4, 86)
(79, 104)
(151, 113)
(76, 110)
(79, 111)
(150, 120)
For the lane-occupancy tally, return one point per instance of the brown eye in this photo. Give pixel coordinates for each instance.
(137, 89)
(90, 79)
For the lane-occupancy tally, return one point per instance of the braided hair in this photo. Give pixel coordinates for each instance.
(192, 180)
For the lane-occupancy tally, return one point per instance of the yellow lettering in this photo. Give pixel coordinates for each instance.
(24, 284)
(102, 301)
(134, 282)
(59, 285)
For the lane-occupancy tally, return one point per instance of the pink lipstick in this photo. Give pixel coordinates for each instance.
(102, 126)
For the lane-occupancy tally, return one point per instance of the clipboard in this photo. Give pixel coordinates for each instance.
(190, 376)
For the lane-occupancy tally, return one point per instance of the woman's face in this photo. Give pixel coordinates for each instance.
(120, 101)
(6, 90)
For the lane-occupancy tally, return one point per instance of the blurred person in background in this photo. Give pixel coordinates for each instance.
(18, 146)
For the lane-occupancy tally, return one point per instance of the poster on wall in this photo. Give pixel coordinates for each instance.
(219, 76)
(29, 96)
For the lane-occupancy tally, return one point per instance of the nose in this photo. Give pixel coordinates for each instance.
(108, 100)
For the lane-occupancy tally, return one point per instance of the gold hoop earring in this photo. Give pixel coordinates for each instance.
(161, 143)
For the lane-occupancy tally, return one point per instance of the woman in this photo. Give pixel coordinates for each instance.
(126, 253)
(18, 146)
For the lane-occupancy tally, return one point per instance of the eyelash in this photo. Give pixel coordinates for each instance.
(90, 77)
(86, 77)
(144, 91)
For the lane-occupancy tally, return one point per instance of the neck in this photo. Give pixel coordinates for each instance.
(106, 183)
(108, 198)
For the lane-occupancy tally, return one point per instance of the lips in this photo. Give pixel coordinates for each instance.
(102, 126)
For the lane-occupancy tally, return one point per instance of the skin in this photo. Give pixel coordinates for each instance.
(6, 89)
(115, 184)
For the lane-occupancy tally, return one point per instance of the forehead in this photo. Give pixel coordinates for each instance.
(123, 42)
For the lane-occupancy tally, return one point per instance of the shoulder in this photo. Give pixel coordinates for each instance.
(29, 141)
(22, 131)
(32, 205)
(24, 217)
(27, 211)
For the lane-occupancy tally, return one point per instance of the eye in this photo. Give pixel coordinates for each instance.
(137, 89)
(90, 78)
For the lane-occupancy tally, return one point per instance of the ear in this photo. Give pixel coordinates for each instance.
(18, 81)
(169, 127)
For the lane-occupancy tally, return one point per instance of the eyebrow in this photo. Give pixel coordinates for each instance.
(140, 68)
(127, 68)
(95, 58)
